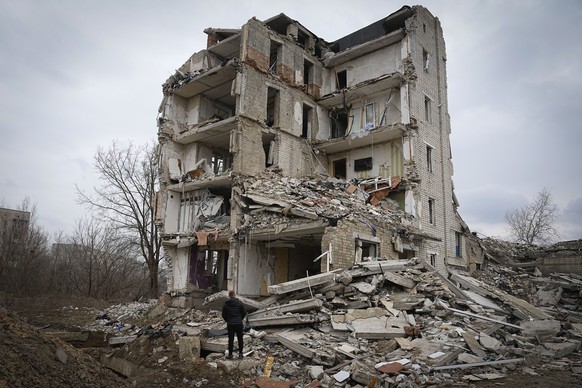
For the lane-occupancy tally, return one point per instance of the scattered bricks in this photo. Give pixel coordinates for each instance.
(392, 368)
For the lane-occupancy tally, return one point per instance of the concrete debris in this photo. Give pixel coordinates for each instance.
(371, 329)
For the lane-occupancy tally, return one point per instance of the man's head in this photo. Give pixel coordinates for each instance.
(231, 294)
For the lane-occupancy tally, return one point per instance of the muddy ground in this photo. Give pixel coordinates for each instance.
(32, 357)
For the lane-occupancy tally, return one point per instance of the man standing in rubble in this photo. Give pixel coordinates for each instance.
(233, 312)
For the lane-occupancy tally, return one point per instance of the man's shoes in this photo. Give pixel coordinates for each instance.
(240, 356)
(229, 356)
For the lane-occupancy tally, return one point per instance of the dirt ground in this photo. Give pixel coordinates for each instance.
(33, 358)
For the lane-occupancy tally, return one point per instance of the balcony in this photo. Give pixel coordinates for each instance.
(215, 134)
(361, 139)
(214, 83)
(362, 89)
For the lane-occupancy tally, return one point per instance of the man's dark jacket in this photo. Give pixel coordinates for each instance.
(233, 312)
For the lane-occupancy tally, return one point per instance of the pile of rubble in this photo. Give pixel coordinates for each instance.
(375, 324)
(269, 199)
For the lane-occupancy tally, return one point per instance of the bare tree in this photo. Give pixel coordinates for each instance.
(125, 198)
(535, 222)
(98, 261)
(23, 255)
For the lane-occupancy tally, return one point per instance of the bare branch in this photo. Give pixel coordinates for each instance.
(129, 180)
(535, 222)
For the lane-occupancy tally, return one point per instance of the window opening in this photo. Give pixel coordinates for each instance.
(302, 38)
(429, 158)
(370, 116)
(458, 244)
(307, 72)
(340, 168)
(432, 258)
(425, 60)
(272, 107)
(427, 109)
(307, 117)
(274, 57)
(339, 124)
(366, 249)
(342, 79)
(219, 163)
(363, 164)
(431, 211)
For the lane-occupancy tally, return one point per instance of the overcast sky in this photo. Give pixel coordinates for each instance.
(78, 74)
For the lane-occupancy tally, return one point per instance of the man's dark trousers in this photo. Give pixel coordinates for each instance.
(232, 330)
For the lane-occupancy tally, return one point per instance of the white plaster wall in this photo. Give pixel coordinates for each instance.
(180, 267)
(193, 109)
(172, 209)
(193, 152)
(255, 269)
(381, 155)
(324, 124)
(383, 61)
(175, 112)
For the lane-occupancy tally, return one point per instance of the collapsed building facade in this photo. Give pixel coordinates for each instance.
(283, 155)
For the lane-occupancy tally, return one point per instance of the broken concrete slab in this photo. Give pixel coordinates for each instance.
(69, 336)
(216, 301)
(114, 341)
(399, 280)
(283, 320)
(489, 342)
(557, 350)
(478, 364)
(467, 358)
(298, 306)
(520, 308)
(474, 345)
(189, 348)
(303, 283)
(122, 366)
(379, 327)
(542, 329)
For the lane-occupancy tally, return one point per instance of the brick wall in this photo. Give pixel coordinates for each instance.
(343, 243)
(426, 37)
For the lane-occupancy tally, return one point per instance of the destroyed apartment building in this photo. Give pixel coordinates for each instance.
(283, 155)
